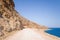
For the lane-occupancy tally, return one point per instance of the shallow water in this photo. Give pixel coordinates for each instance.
(54, 31)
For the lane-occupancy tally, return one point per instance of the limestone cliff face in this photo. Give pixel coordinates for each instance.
(10, 20)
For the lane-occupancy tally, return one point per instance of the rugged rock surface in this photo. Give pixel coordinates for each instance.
(10, 20)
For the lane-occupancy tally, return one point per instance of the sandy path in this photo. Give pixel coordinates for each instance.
(29, 34)
(25, 34)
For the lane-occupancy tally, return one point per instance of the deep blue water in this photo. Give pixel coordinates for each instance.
(54, 31)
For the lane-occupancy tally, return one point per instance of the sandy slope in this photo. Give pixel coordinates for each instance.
(30, 34)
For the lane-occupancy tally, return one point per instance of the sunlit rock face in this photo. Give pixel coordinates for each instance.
(26, 34)
(11, 21)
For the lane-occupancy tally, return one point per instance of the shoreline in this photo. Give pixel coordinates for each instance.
(40, 32)
(50, 36)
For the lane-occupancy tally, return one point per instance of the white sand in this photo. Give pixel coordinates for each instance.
(26, 34)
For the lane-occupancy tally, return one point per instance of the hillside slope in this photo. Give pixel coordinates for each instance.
(11, 21)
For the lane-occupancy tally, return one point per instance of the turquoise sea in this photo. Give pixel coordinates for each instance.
(54, 31)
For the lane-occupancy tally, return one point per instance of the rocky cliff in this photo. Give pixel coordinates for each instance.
(11, 20)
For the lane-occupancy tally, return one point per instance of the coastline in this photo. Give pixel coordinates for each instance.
(41, 32)
(49, 36)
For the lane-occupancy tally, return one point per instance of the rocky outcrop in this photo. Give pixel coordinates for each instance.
(11, 20)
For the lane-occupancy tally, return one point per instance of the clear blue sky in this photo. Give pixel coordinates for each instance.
(45, 12)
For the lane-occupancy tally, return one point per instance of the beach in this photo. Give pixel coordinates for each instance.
(31, 34)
